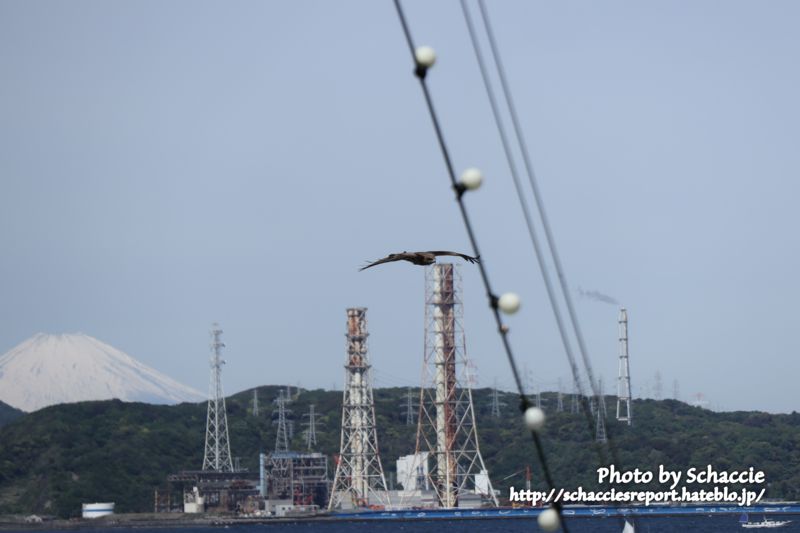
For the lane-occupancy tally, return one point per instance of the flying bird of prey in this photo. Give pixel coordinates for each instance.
(420, 258)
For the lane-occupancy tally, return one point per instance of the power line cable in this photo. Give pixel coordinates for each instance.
(538, 197)
(540, 255)
(421, 71)
(593, 384)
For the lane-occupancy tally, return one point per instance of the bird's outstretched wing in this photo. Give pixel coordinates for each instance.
(388, 259)
(465, 257)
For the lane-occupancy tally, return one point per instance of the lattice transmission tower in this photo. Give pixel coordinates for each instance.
(217, 455)
(600, 430)
(282, 436)
(658, 386)
(359, 479)
(410, 407)
(446, 429)
(310, 432)
(496, 402)
(575, 403)
(624, 413)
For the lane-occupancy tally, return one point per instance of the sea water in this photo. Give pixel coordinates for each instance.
(714, 523)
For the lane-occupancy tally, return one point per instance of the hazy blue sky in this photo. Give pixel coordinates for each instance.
(167, 164)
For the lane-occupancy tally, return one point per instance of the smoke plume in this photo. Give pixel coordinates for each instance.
(597, 296)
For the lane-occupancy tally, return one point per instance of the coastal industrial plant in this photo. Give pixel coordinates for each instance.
(445, 470)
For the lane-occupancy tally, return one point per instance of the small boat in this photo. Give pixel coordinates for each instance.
(628, 527)
(765, 522)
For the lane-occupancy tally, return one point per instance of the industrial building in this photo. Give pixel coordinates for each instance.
(210, 491)
(295, 479)
(446, 470)
(287, 482)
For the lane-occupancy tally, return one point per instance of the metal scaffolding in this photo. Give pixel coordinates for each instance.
(359, 479)
(217, 456)
(446, 427)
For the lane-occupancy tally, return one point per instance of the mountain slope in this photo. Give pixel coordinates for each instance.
(51, 369)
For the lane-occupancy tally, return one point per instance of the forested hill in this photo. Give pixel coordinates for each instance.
(56, 458)
(8, 413)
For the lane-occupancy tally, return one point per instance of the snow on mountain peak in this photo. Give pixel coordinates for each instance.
(49, 369)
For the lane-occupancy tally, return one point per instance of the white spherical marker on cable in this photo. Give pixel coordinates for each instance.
(548, 520)
(425, 56)
(534, 418)
(471, 179)
(509, 303)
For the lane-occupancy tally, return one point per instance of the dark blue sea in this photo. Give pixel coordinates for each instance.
(719, 523)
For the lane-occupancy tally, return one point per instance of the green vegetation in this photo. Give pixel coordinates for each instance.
(8, 414)
(54, 459)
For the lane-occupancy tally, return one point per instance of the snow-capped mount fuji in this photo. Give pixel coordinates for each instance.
(51, 369)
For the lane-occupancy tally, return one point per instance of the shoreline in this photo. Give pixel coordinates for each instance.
(143, 520)
(182, 520)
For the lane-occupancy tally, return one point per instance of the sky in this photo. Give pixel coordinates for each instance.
(166, 165)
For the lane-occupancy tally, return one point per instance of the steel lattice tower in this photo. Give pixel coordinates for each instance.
(658, 386)
(496, 403)
(282, 435)
(217, 456)
(446, 428)
(410, 407)
(255, 402)
(311, 428)
(600, 431)
(574, 405)
(359, 478)
(624, 413)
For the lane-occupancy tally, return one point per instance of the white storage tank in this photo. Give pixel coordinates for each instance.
(95, 510)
